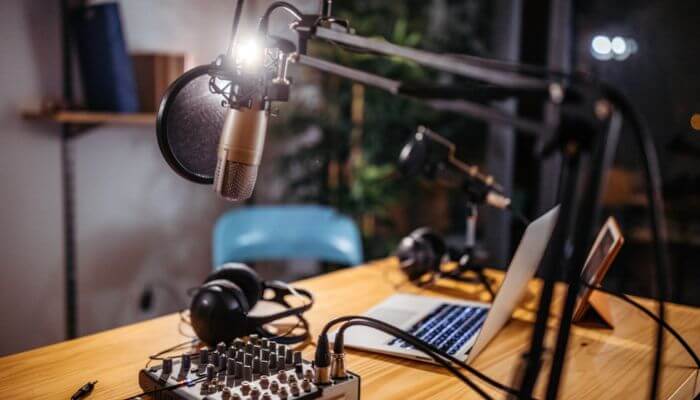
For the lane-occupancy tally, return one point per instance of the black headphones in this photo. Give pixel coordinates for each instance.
(219, 308)
(421, 252)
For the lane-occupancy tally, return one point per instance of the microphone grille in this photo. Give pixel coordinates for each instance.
(235, 181)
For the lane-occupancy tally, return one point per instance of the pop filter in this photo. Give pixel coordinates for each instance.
(190, 119)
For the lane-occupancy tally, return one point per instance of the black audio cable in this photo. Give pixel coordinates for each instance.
(651, 315)
(658, 221)
(290, 8)
(159, 355)
(658, 227)
(404, 335)
(415, 342)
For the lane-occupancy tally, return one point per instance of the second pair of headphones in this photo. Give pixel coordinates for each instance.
(422, 253)
(220, 308)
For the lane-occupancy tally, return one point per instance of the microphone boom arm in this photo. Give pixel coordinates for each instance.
(470, 108)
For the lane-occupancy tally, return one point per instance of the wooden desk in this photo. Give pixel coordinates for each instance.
(601, 364)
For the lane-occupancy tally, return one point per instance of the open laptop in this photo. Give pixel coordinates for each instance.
(461, 328)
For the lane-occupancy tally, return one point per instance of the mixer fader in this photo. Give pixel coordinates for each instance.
(255, 369)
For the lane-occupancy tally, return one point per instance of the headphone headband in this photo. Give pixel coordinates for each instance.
(233, 291)
(281, 290)
(229, 287)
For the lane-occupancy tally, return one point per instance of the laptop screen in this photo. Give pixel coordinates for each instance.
(522, 269)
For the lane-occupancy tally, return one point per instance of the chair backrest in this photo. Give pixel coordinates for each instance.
(298, 232)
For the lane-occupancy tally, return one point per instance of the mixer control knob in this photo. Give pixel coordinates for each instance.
(203, 357)
(245, 388)
(266, 396)
(264, 381)
(185, 364)
(282, 376)
(256, 365)
(254, 393)
(274, 386)
(167, 366)
(283, 393)
(214, 358)
(226, 393)
(306, 385)
(247, 373)
(221, 347)
(309, 374)
(211, 372)
(230, 366)
(294, 388)
(289, 357)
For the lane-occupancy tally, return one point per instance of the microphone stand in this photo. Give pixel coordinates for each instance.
(465, 260)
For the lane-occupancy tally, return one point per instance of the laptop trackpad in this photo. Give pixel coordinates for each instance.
(394, 316)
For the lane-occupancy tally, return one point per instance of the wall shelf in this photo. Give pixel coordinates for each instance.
(83, 117)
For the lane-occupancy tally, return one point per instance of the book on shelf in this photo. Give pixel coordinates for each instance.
(106, 68)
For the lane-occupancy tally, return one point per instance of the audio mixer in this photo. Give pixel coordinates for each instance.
(255, 369)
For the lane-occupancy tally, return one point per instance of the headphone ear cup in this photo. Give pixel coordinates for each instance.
(218, 312)
(436, 244)
(420, 252)
(242, 276)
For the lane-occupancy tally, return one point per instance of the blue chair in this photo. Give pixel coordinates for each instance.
(299, 232)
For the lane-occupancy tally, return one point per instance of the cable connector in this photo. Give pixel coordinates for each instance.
(338, 358)
(322, 361)
(338, 366)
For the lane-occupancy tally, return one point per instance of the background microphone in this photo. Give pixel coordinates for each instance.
(432, 156)
(239, 152)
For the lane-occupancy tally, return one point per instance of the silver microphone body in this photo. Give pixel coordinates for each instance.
(239, 153)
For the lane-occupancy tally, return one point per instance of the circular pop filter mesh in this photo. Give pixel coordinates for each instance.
(189, 124)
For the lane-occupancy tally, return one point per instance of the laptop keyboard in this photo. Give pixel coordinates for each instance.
(448, 327)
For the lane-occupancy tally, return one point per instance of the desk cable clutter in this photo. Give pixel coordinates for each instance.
(228, 103)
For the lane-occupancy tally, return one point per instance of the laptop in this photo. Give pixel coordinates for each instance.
(460, 328)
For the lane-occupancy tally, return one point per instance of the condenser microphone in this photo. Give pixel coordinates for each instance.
(432, 156)
(239, 152)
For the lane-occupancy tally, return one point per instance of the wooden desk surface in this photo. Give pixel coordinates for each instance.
(601, 364)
